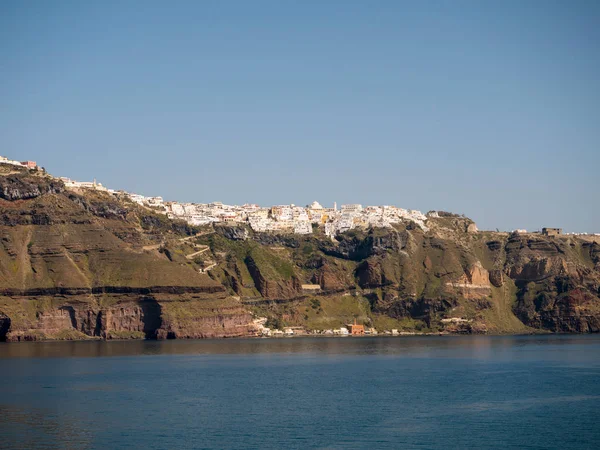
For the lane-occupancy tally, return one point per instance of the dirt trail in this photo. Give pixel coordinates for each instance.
(187, 238)
(192, 255)
(206, 269)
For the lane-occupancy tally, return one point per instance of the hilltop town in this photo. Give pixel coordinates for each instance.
(283, 218)
(279, 218)
(290, 218)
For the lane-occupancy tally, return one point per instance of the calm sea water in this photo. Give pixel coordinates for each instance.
(430, 393)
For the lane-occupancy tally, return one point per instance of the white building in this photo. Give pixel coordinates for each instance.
(302, 227)
(282, 213)
(155, 201)
(352, 208)
(72, 184)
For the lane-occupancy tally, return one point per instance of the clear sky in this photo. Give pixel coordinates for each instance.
(487, 108)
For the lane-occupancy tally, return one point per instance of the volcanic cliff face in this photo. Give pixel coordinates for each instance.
(75, 265)
(410, 279)
(21, 186)
(88, 264)
(558, 282)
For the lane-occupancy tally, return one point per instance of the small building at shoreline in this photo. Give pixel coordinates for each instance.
(356, 329)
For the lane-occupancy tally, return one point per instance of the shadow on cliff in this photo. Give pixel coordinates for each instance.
(152, 317)
(4, 327)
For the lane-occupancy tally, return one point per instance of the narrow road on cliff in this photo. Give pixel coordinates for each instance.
(187, 238)
(192, 255)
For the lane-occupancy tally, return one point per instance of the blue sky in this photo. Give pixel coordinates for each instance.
(491, 109)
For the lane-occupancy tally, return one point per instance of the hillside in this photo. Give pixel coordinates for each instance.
(85, 264)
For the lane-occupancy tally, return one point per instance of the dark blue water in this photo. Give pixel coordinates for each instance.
(430, 393)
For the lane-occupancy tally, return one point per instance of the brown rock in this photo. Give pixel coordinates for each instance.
(496, 277)
(427, 263)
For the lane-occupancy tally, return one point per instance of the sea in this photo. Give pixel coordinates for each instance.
(430, 392)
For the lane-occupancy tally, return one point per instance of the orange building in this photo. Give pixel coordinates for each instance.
(356, 329)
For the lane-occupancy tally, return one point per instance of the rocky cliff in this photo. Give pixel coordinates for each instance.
(89, 265)
(85, 264)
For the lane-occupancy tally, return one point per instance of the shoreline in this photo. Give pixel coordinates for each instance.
(299, 336)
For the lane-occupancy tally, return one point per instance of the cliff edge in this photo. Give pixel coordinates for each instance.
(87, 264)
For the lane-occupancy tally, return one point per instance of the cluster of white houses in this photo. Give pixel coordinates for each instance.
(278, 218)
(282, 218)
(293, 218)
